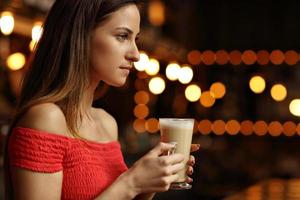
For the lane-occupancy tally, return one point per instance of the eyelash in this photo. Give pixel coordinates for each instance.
(122, 37)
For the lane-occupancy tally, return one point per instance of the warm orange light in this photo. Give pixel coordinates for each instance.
(291, 57)
(275, 128)
(260, 128)
(205, 127)
(152, 125)
(156, 12)
(194, 57)
(289, 128)
(141, 97)
(218, 90)
(141, 111)
(247, 127)
(235, 57)
(257, 84)
(207, 99)
(139, 125)
(298, 129)
(278, 92)
(16, 61)
(277, 57)
(218, 127)
(222, 57)
(232, 127)
(208, 57)
(249, 57)
(263, 57)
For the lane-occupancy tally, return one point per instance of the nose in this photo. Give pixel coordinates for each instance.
(133, 54)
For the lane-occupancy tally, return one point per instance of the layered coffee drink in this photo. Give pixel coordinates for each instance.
(180, 132)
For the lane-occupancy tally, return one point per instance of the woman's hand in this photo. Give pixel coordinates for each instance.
(155, 171)
(191, 162)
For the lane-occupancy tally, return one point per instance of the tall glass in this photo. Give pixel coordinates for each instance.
(180, 132)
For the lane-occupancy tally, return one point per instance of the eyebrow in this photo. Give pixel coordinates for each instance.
(126, 29)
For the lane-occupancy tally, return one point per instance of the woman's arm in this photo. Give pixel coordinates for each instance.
(29, 185)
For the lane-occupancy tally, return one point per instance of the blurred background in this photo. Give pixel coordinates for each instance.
(232, 65)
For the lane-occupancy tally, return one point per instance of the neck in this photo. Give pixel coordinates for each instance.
(88, 98)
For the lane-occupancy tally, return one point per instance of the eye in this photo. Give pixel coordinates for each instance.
(137, 38)
(122, 37)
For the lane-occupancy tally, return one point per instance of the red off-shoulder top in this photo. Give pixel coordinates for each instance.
(88, 167)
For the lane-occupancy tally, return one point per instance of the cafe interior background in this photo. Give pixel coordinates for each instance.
(232, 65)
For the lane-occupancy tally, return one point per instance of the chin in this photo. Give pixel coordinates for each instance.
(118, 83)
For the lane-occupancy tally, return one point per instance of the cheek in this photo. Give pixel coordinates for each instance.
(103, 56)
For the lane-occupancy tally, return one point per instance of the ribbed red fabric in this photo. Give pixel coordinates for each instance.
(88, 167)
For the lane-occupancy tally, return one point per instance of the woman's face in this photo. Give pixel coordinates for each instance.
(113, 46)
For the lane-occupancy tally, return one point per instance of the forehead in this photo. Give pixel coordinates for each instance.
(128, 16)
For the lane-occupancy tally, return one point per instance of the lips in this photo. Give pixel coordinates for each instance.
(126, 67)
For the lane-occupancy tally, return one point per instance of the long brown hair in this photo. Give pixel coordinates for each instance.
(60, 67)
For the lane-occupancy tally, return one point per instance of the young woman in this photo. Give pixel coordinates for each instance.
(60, 147)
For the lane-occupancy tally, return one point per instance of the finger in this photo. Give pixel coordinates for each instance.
(173, 169)
(190, 170)
(195, 147)
(189, 180)
(171, 159)
(161, 148)
(192, 160)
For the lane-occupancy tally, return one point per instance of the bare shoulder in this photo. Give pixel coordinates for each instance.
(107, 122)
(46, 117)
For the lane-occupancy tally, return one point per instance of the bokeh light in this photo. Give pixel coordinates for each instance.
(185, 75)
(233, 127)
(143, 63)
(153, 67)
(157, 85)
(208, 57)
(37, 31)
(275, 128)
(32, 45)
(222, 57)
(16, 61)
(141, 111)
(207, 99)
(141, 97)
(277, 57)
(249, 57)
(156, 13)
(263, 57)
(295, 107)
(278, 92)
(152, 125)
(193, 93)
(205, 127)
(289, 128)
(291, 57)
(7, 22)
(139, 125)
(218, 90)
(235, 57)
(247, 127)
(218, 127)
(172, 71)
(257, 84)
(194, 57)
(260, 128)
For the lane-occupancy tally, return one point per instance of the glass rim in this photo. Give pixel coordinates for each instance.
(175, 119)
